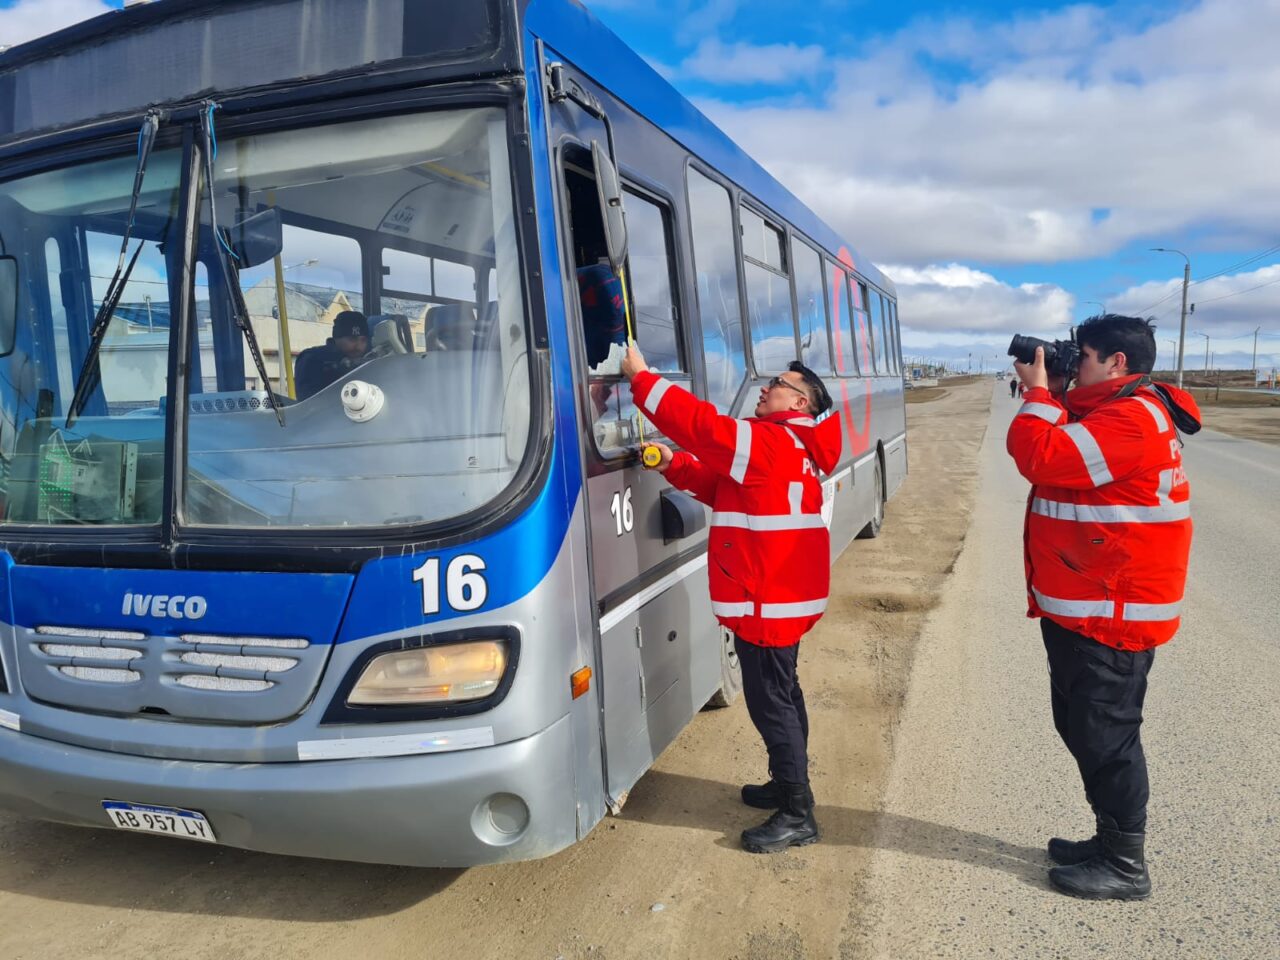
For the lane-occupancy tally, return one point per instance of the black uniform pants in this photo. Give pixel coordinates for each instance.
(776, 705)
(1097, 693)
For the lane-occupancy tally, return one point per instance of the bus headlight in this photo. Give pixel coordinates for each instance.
(445, 673)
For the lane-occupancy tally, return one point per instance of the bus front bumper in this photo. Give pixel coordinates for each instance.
(513, 801)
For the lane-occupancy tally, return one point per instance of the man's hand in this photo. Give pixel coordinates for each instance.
(633, 362)
(600, 392)
(663, 449)
(1033, 374)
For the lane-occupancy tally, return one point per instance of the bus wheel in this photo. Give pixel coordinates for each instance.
(872, 529)
(730, 672)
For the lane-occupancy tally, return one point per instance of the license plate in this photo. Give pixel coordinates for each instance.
(169, 821)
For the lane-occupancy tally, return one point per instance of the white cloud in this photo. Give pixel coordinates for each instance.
(1228, 310)
(1069, 135)
(691, 20)
(28, 19)
(745, 63)
(966, 304)
(950, 311)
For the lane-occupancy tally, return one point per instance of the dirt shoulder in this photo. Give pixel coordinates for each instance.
(664, 880)
(1250, 414)
(1260, 421)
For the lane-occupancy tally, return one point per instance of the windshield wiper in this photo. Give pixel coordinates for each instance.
(90, 371)
(230, 275)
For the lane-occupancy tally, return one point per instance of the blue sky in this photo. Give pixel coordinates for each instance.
(1006, 164)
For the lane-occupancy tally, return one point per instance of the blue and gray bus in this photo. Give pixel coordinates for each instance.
(434, 612)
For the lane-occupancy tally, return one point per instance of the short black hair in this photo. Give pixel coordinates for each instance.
(817, 390)
(1111, 333)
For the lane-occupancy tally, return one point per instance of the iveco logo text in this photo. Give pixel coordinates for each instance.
(163, 605)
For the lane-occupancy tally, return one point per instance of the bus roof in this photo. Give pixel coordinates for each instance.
(172, 53)
(57, 80)
(573, 32)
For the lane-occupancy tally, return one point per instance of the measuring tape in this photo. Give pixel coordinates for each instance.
(649, 456)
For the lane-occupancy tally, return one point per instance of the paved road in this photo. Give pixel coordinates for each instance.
(980, 779)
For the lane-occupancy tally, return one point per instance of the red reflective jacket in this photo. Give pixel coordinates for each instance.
(1108, 528)
(769, 554)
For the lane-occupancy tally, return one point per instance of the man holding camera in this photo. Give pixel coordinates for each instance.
(1106, 543)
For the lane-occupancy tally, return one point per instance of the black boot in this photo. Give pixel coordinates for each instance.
(792, 824)
(765, 796)
(1119, 872)
(1068, 852)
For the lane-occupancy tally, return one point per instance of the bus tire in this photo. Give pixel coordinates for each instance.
(872, 529)
(730, 673)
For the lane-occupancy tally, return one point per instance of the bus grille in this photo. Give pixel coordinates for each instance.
(190, 676)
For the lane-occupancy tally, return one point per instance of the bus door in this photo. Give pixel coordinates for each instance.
(658, 640)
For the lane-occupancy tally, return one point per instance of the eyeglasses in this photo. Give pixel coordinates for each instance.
(779, 382)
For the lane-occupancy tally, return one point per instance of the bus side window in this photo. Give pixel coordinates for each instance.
(874, 311)
(769, 311)
(413, 286)
(896, 350)
(815, 343)
(841, 321)
(862, 329)
(322, 278)
(654, 313)
(882, 334)
(719, 303)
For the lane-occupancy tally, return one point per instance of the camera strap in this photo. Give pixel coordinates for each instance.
(1182, 421)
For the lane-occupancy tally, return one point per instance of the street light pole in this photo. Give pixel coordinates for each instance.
(1206, 348)
(1255, 355)
(1173, 354)
(1182, 327)
(1102, 307)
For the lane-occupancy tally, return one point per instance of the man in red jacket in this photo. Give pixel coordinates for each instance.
(768, 556)
(1108, 534)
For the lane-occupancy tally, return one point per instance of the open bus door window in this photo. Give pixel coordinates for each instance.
(108, 466)
(644, 288)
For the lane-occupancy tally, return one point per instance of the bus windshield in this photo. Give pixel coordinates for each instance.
(377, 267)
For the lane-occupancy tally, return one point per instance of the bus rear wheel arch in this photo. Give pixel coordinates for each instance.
(872, 529)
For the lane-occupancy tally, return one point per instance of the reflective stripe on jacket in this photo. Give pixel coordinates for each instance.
(768, 554)
(1108, 527)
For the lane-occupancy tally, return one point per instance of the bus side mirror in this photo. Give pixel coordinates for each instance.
(8, 304)
(610, 192)
(257, 238)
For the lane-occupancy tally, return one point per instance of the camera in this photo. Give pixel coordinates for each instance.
(361, 401)
(1061, 357)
